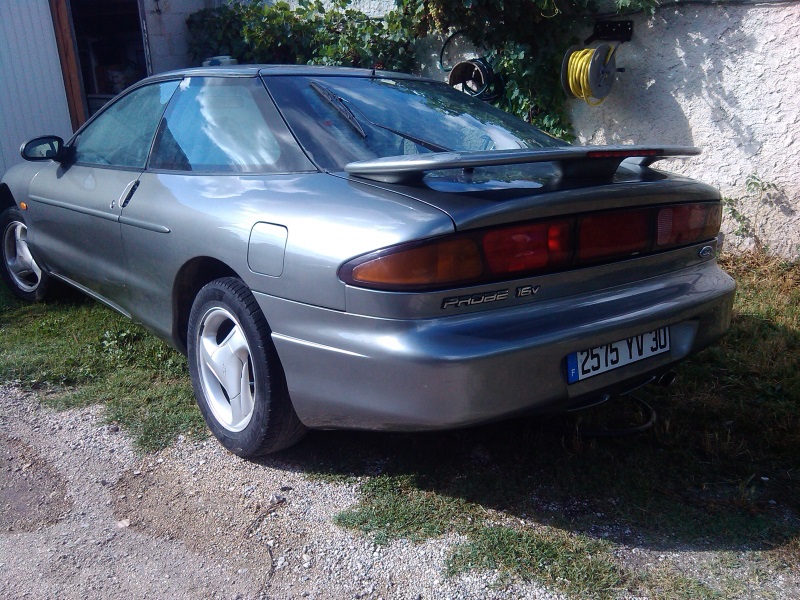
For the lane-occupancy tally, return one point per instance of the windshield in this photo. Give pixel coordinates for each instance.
(344, 119)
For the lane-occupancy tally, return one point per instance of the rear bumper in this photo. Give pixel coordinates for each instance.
(357, 372)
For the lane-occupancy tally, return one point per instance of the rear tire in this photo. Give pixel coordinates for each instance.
(26, 279)
(236, 373)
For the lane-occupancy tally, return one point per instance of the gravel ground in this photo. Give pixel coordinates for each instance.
(84, 516)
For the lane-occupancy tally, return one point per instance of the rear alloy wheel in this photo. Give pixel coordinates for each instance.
(237, 376)
(19, 269)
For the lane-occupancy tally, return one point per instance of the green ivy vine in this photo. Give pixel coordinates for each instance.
(523, 40)
(309, 33)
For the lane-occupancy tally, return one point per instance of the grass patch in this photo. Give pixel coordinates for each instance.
(394, 507)
(89, 354)
(663, 583)
(573, 564)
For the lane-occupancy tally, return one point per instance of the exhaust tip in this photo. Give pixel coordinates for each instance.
(668, 378)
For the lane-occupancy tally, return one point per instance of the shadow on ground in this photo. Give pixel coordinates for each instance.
(720, 470)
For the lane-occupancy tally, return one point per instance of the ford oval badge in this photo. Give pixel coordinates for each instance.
(706, 252)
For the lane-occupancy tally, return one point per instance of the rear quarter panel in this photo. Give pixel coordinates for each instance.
(174, 218)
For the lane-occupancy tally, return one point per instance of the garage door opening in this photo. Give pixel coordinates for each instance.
(111, 49)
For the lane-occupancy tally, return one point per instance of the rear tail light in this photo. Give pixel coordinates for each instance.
(444, 262)
(687, 223)
(614, 234)
(537, 247)
(530, 247)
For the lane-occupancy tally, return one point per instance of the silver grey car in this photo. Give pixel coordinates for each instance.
(339, 248)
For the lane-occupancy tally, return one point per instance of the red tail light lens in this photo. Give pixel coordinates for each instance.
(538, 247)
(686, 224)
(528, 247)
(713, 222)
(622, 233)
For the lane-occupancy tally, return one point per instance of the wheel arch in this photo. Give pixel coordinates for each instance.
(6, 198)
(191, 278)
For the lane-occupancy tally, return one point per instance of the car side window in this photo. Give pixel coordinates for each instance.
(121, 135)
(225, 125)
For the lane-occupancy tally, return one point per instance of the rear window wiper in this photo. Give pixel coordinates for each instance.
(340, 106)
(343, 106)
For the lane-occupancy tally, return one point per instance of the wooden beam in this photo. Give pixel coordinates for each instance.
(70, 67)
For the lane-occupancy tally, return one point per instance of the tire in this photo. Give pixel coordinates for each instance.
(26, 279)
(236, 373)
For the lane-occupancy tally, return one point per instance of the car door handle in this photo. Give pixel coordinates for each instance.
(127, 194)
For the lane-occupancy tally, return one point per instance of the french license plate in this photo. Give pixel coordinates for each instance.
(588, 363)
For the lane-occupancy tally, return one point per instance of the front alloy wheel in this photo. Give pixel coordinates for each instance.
(19, 269)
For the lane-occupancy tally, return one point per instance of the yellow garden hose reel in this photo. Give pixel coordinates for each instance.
(588, 73)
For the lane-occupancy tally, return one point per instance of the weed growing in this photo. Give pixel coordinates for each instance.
(395, 507)
(570, 563)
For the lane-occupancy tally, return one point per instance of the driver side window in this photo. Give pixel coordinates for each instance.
(121, 135)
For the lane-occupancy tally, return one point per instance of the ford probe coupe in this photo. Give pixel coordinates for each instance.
(357, 249)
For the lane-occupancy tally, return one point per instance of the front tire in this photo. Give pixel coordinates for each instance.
(19, 270)
(236, 374)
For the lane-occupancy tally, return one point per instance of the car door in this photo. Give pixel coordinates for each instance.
(75, 206)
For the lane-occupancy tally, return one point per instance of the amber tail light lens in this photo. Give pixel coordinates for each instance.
(439, 263)
(533, 248)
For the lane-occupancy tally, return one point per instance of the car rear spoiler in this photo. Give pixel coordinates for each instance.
(571, 162)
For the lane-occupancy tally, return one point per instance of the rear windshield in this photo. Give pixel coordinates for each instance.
(344, 119)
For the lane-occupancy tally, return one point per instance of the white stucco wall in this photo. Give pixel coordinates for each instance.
(373, 8)
(727, 79)
(167, 35)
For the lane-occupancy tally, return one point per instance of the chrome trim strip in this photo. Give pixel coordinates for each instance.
(92, 294)
(295, 340)
(155, 227)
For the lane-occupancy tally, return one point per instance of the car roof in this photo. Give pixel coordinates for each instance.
(253, 70)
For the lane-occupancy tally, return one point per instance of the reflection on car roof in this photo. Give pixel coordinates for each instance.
(252, 70)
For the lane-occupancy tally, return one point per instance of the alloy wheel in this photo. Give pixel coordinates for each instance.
(226, 369)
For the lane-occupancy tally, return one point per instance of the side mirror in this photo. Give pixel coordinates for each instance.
(48, 147)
